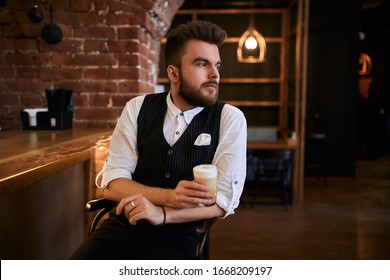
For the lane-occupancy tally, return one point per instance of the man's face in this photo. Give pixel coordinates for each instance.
(199, 74)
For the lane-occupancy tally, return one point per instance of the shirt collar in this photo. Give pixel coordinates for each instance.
(173, 111)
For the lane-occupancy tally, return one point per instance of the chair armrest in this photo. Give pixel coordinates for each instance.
(103, 205)
(100, 203)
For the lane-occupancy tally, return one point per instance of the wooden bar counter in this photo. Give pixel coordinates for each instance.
(29, 156)
(46, 177)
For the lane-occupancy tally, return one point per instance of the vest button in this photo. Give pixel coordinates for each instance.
(181, 114)
(167, 175)
(170, 152)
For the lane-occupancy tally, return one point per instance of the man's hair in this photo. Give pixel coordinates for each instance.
(194, 30)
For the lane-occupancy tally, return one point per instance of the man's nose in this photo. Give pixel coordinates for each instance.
(214, 73)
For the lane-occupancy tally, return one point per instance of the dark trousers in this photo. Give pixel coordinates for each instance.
(118, 241)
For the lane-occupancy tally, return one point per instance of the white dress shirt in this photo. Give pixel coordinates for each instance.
(230, 156)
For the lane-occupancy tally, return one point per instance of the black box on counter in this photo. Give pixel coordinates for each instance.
(47, 120)
(57, 115)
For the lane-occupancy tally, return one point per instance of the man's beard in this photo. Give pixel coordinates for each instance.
(194, 97)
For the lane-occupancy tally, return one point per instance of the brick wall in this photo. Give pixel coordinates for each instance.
(109, 53)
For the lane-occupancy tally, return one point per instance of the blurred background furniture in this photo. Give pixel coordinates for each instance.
(316, 149)
(270, 176)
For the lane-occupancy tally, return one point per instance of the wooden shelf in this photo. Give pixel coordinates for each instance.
(253, 103)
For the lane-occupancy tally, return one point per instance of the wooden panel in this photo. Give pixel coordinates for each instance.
(46, 220)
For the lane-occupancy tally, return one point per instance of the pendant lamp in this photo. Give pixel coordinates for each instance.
(251, 46)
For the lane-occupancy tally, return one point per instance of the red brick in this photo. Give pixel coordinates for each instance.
(129, 86)
(7, 44)
(129, 59)
(11, 99)
(144, 63)
(28, 86)
(23, 30)
(123, 46)
(96, 113)
(92, 19)
(66, 45)
(60, 73)
(70, 18)
(101, 5)
(99, 100)
(15, 4)
(125, 7)
(5, 16)
(27, 72)
(133, 73)
(96, 45)
(80, 100)
(28, 59)
(26, 44)
(7, 72)
(120, 19)
(95, 32)
(74, 85)
(3, 85)
(120, 100)
(32, 100)
(96, 73)
(100, 86)
(62, 59)
(80, 5)
(129, 33)
(92, 59)
(146, 4)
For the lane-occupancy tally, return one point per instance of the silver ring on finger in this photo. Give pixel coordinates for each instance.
(133, 204)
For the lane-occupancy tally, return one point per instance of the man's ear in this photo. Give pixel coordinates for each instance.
(173, 73)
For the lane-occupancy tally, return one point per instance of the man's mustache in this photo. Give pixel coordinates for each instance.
(210, 83)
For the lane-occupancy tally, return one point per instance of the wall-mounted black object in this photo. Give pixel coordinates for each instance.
(51, 33)
(35, 14)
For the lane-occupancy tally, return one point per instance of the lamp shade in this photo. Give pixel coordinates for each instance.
(251, 47)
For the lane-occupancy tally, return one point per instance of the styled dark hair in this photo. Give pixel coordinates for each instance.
(178, 37)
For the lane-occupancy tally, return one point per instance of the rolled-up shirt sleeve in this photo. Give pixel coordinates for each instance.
(122, 145)
(230, 158)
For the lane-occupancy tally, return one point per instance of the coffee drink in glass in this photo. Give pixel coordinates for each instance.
(206, 174)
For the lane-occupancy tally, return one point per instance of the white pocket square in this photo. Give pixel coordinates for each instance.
(203, 139)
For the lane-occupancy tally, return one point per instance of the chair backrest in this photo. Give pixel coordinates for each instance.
(103, 206)
(274, 166)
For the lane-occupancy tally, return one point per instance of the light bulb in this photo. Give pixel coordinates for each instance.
(250, 43)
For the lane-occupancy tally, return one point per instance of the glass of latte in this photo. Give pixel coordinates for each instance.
(206, 174)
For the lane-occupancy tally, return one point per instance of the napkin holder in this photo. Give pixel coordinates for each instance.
(48, 120)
